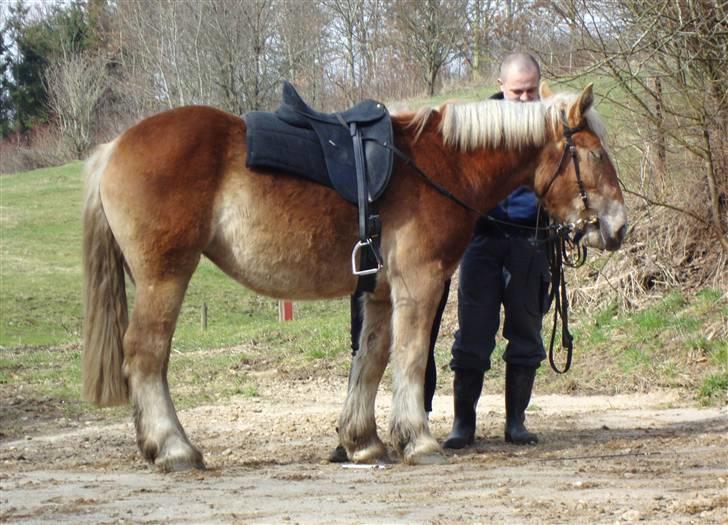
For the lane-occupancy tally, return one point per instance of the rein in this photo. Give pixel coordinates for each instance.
(559, 248)
(563, 248)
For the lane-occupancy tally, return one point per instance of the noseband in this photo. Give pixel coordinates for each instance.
(570, 149)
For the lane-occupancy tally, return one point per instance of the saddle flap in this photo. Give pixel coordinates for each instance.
(337, 147)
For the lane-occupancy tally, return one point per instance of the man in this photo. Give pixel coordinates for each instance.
(502, 265)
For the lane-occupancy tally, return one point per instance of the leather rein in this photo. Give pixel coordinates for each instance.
(562, 241)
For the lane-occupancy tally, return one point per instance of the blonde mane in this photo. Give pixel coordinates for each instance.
(501, 123)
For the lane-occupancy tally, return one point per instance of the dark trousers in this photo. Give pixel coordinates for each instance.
(501, 270)
(357, 319)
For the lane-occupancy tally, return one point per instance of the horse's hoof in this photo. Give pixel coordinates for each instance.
(178, 457)
(432, 458)
(179, 463)
(372, 453)
(426, 451)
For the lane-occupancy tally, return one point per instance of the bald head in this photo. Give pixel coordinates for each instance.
(519, 62)
(519, 77)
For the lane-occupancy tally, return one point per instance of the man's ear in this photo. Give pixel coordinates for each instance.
(544, 91)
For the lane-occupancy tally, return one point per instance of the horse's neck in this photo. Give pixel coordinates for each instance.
(481, 178)
(488, 176)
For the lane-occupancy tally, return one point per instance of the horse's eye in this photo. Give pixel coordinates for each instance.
(596, 154)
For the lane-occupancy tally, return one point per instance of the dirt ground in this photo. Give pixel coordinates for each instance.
(648, 457)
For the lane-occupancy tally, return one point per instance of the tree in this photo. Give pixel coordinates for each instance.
(26, 89)
(303, 46)
(346, 19)
(480, 16)
(200, 52)
(259, 19)
(431, 33)
(6, 103)
(55, 30)
(75, 85)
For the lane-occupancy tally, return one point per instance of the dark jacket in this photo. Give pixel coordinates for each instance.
(520, 207)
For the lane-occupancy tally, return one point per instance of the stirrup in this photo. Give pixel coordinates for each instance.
(358, 246)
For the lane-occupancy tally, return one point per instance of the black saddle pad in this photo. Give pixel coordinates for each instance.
(275, 144)
(318, 146)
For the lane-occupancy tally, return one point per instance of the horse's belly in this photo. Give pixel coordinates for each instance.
(283, 237)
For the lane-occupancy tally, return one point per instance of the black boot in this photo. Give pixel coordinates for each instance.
(338, 455)
(467, 386)
(519, 383)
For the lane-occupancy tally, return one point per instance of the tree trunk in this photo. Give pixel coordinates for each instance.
(659, 160)
(713, 191)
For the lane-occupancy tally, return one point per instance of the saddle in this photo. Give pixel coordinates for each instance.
(348, 151)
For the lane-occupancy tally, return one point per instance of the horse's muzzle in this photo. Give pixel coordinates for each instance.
(607, 232)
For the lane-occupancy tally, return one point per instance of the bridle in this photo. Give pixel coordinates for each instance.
(587, 218)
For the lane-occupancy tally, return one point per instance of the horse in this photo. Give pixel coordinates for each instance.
(175, 187)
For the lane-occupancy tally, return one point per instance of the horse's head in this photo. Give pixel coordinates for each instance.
(575, 179)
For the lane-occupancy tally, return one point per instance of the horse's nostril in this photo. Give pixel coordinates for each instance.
(622, 232)
(613, 242)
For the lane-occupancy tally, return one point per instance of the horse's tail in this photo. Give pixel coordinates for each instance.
(106, 315)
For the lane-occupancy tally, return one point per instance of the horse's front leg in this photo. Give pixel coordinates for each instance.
(160, 435)
(415, 302)
(357, 425)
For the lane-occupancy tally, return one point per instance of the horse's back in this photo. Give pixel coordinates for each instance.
(186, 141)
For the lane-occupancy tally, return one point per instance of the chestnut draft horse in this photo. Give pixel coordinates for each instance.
(175, 187)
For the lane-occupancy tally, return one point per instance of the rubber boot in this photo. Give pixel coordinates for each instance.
(338, 455)
(467, 386)
(519, 384)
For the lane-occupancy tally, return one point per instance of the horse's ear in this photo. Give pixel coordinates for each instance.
(544, 91)
(581, 106)
(586, 99)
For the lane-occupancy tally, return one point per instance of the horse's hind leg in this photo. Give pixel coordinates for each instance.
(146, 351)
(357, 425)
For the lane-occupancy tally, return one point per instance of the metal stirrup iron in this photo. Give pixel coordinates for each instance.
(372, 249)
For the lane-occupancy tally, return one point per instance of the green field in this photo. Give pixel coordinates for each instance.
(678, 341)
(41, 276)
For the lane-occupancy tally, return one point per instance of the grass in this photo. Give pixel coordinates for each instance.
(40, 253)
(714, 388)
(678, 341)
